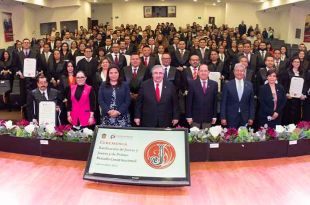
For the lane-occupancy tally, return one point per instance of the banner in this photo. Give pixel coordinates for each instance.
(139, 156)
(7, 26)
(307, 29)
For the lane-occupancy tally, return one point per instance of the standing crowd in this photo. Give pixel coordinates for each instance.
(161, 77)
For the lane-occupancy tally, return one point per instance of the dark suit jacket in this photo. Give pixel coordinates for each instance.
(21, 56)
(201, 107)
(153, 113)
(122, 98)
(35, 97)
(206, 56)
(230, 102)
(55, 71)
(122, 62)
(177, 60)
(267, 103)
(150, 65)
(260, 60)
(134, 84)
(252, 65)
(89, 68)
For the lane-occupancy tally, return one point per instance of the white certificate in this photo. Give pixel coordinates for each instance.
(30, 67)
(296, 87)
(47, 113)
(216, 76)
(78, 58)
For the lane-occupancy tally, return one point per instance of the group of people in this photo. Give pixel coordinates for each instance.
(161, 78)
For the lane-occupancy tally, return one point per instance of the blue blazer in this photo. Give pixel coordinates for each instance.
(266, 101)
(122, 98)
(201, 107)
(230, 103)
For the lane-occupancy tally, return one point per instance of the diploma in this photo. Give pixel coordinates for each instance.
(47, 113)
(78, 58)
(30, 67)
(216, 76)
(296, 87)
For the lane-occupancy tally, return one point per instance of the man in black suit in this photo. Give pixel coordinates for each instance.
(237, 105)
(249, 74)
(172, 48)
(117, 58)
(242, 28)
(45, 58)
(202, 51)
(252, 58)
(147, 60)
(280, 65)
(108, 46)
(89, 66)
(130, 48)
(157, 104)
(262, 53)
(41, 93)
(26, 83)
(98, 42)
(261, 75)
(181, 56)
(134, 74)
(201, 106)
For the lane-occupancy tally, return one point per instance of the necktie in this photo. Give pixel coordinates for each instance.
(277, 65)
(204, 87)
(203, 53)
(26, 53)
(195, 74)
(157, 92)
(116, 59)
(166, 73)
(145, 61)
(135, 73)
(239, 89)
(43, 96)
(182, 53)
(46, 57)
(247, 56)
(263, 54)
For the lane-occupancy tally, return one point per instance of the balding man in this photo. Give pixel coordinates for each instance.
(237, 106)
(157, 104)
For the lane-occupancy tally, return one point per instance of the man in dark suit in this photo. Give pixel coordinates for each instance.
(201, 107)
(181, 56)
(26, 83)
(117, 58)
(108, 46)
(202, 51)
(45, 58)
(41, 93)
(249, 74)
(134, 75)
(262, 53)
(147, 60)
(237, 106)
(252, 58)
(280, 66)
(172, 48)
(242, 28)
(130, 48)
(89, 66)
(98, 42)
(261, 75)
(157, 104)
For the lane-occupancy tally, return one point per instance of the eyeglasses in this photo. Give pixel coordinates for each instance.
(80, 77)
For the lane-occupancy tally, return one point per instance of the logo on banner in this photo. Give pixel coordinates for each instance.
(159, 154)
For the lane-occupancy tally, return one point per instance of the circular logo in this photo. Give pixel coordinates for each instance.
(159, 154)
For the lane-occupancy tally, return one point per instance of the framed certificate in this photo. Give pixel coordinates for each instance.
(47, 113)
(30, 67)
(296, 87)
(216, 76)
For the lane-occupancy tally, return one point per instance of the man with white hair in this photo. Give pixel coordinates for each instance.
(237, 106)
(157, 103)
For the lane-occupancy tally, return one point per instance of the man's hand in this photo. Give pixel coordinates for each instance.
(275, 115)
(174, 122)
(224, 122)
(137, 121)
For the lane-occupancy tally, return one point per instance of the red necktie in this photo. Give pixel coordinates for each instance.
(204, 87)
(134, 73)
(116, 59)
(145, 61)
(195, 74)
(157, 92)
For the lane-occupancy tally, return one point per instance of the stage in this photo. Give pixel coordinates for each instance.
(31, 180)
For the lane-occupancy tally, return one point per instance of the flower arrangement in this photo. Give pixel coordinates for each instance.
(23, 128)
(217, 134)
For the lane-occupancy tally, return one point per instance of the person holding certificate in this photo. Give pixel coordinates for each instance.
(41, 93)
(272, 101)
(81, 103)
(293, 107)
(114, 99)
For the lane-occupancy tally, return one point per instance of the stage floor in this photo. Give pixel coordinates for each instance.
(32, 180)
